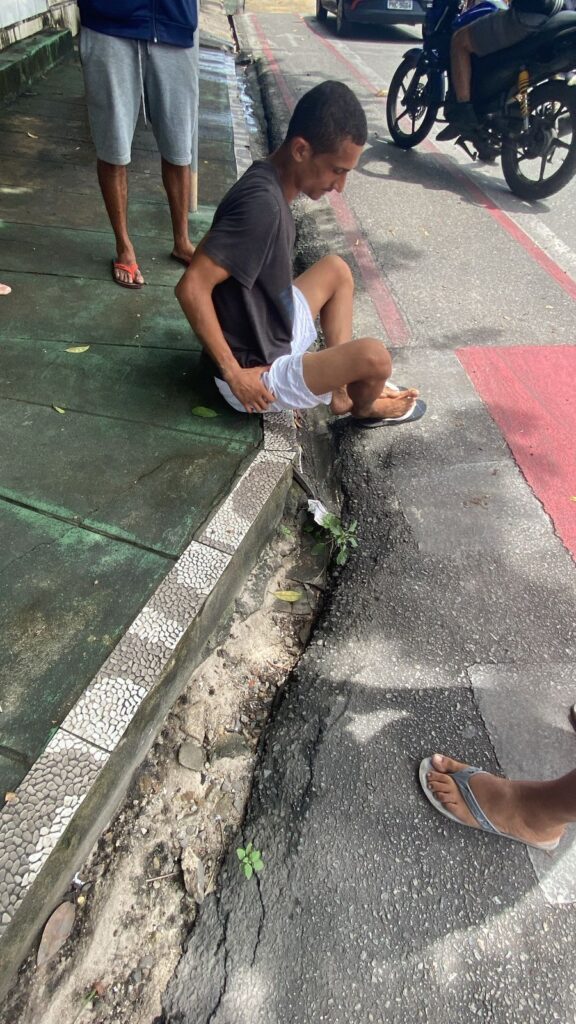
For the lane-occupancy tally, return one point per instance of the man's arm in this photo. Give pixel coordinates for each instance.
(194, 293)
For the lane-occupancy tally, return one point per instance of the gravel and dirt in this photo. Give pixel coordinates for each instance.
(136, 897)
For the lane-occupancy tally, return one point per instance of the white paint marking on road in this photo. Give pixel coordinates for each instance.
(554, 246)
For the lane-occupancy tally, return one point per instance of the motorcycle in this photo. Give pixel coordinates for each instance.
(526, 112)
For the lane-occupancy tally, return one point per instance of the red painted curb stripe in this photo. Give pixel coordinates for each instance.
(528, 391)
(363, 79)
(388, 311)
(562, 277)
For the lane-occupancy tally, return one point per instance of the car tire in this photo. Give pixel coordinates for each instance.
(321, 12)
(341, 26)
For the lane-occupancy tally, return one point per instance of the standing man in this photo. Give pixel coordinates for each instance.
(132, 52)
(255, 323)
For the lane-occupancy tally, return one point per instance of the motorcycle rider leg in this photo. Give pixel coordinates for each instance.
(486, 35)
(461, 50)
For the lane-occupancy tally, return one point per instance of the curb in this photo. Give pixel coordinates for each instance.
(21, 62)
(74, 788)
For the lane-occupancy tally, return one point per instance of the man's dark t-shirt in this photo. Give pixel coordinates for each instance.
(252, 236)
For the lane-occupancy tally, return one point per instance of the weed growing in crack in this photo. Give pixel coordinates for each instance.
(250, 859)
(327, 530)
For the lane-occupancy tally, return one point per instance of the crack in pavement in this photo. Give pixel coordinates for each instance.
(261, 921)
(222, 943)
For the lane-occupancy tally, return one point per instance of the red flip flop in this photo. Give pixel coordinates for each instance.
(130, 268)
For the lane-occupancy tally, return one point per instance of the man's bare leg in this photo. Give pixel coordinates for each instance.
(328, 287)
(535, 812)
(113, 181)
(177, 182)
(362, 367)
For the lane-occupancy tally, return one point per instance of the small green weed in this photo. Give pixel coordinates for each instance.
(250, 859)
(340, 538)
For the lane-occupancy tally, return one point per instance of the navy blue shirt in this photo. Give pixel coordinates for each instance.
(159, 21)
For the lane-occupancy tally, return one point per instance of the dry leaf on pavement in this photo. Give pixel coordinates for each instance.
(56, 931)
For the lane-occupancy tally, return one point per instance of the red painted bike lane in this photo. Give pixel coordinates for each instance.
(529, 392)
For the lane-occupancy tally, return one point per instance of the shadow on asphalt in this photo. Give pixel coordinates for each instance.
(416, 167)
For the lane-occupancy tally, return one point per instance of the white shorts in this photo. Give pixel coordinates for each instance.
(284, 378)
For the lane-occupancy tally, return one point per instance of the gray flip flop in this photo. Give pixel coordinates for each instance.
(462, 780)
(415, 413)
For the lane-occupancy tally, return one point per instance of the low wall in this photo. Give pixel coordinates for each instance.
(22, 18)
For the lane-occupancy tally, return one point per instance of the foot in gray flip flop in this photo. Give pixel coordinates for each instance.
(462, 780)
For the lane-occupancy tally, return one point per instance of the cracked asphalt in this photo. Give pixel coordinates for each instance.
(451, 628)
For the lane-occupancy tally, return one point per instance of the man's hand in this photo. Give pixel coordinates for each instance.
(247, 386)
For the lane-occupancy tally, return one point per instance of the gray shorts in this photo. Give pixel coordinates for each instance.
(502, 29)
(119, 74)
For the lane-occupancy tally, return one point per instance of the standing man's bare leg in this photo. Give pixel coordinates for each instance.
(113, 181)
(177, 182)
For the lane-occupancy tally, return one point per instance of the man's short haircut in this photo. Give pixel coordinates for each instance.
(327, 115)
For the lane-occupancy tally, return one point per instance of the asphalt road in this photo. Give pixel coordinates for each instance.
(452, 628)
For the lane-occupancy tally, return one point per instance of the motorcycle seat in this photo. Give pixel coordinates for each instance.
(559, 28)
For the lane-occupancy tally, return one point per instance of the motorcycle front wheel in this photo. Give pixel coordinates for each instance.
(542, 160)
(410, 107)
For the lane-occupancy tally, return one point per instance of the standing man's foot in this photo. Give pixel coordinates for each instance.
(183, 254)
(510, 806)
(572, 714)
(5, 289)
(125, 270)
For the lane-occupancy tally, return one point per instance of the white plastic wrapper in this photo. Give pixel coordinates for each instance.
(318, 510)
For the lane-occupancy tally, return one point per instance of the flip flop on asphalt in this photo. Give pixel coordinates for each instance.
(415, 412)
(129, 268)
(483, 823)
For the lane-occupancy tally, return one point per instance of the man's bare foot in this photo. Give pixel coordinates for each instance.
(388, 392)
(341, 402)
(183, 253)
(5, 289)
(128, 258)
(512, 807)
(389, 406)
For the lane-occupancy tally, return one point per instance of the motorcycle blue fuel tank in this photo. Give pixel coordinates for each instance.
(478, 11)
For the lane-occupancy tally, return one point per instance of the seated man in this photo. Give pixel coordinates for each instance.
(238, 295)
(486, 35)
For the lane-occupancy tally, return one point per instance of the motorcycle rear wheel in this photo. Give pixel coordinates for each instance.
(410, 112)
(552, 133)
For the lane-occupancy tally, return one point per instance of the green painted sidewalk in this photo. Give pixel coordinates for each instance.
(98, 501)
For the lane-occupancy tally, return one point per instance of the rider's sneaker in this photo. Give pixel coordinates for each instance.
(462, 115)
(461, 121)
